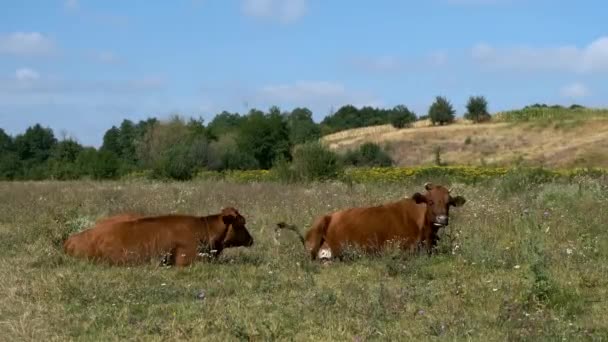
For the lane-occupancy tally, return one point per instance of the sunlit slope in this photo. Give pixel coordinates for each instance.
(565, 143)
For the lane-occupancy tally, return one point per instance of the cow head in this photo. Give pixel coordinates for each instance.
(237, 234)
(438, 201)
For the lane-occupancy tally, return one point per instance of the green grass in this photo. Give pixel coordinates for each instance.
(527, 262)
(550, 114)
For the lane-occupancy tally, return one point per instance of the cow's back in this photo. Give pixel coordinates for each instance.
(370, 228)
(83, 244)
(134, 241)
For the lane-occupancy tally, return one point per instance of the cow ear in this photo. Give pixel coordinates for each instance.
(428, 186)
(419, 198)
(229, 218)
(458, 201)
(229, 215)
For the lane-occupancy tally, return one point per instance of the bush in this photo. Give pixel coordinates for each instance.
(237, 160)
(311, 162)
(477, 109)
(401, 117)
(368, 154)
(105, 165)
(441, 111)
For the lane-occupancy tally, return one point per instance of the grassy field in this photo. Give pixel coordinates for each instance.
(568, 142)
(524, 262)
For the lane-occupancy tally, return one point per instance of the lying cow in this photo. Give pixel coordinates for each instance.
(119, 218)
(131, 239)
(407, 223)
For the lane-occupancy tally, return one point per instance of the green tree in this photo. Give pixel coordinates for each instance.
(401, 116)
(106, 165)
(33, 149)
(6, 142)
(301, 126)
(126, 143)
(35, 144)
(441, 111)
(174, 149)
(9, 162)
(62, 163)
(346, 117)
(237, 160)
(224, 123)
(477, 109)
(111, 142)
(10, 165)
(265, 137)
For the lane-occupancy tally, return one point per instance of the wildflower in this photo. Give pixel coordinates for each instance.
(568, 251)
(516, 267)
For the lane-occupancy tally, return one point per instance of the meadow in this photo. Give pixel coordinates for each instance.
(535, 137)
(524, 259)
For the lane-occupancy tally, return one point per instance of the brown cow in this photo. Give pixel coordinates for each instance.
(407, 222)
(134, 241)
(119, 218)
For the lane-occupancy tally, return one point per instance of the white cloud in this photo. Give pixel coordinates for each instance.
(575, 90)
(103, 18)
(22, 84)
(26, 44)
(591, 58)
(391, 64)
(304, 89)
(379, 64)
(26, 75)
(438, 58)
(319, 95)
(148, 82)
(286, 11)
(71, 5)
(475, 2)
(107, 57)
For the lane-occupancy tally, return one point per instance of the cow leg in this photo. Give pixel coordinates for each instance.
(185, 255)
(428, 242)
(168, 259)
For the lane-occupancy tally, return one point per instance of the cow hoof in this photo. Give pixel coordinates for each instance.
(324, 254)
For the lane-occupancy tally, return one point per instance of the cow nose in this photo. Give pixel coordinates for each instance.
(442, 219)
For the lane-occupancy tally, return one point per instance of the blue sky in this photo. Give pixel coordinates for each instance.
(81, 66)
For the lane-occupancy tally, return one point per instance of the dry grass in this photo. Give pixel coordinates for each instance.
(554, 144)
(528, 263)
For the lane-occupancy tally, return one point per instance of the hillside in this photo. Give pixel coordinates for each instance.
(564, 143)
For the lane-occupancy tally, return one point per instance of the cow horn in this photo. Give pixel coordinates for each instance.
(449, 190)
(428, 185)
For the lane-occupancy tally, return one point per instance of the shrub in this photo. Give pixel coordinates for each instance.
(368, 154)
(175, 163)
(237, 160)
(311, 161)
(437, 153)
(477, 109)
(441, 111)
(105, 165)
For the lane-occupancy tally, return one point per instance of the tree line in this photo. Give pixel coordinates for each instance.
(177, 148)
